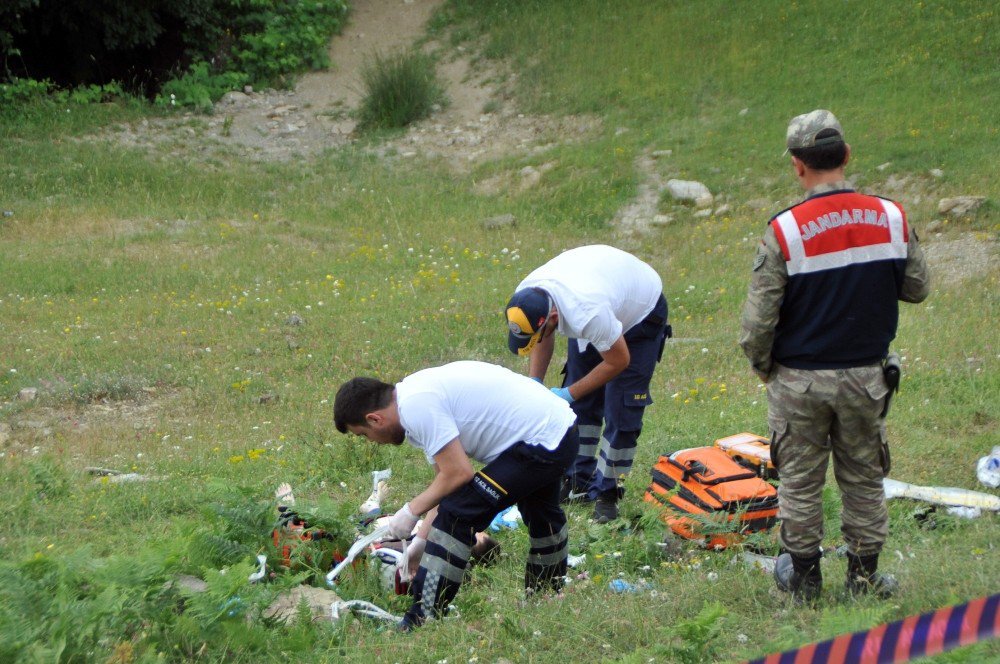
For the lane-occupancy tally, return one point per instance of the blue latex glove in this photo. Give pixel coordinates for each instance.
(563, 393)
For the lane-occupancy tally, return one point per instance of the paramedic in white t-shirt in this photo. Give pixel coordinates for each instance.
(526, 437)
(611, 306)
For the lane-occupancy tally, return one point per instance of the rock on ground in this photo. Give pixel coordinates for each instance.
(690, 191)
(286, 607)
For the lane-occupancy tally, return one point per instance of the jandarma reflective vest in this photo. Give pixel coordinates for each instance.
(846, 258)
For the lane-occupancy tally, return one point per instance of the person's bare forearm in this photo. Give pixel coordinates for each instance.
(598, 377)
(425, 525)
(443, 484)
(541, 357)
(613, 361)
(452, 470)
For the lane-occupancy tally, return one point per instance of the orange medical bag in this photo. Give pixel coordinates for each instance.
(709, 498)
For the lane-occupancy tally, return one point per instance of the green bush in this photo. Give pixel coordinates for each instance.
(270, 41)
(199, 87)
(293, 37)
(399, 89)
(21, 91)
(220, 45)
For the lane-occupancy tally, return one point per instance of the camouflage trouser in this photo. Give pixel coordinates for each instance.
(814, 413)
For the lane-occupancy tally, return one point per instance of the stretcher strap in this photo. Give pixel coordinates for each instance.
(356, 548)
(361, 608)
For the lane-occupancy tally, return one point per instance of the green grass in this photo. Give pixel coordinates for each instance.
(148, 298)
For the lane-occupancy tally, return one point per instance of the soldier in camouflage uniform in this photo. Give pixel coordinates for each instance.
(821, 311)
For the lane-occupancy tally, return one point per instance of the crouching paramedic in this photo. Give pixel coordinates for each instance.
(526, 437)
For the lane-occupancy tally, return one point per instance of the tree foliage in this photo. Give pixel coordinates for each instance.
(143, 43)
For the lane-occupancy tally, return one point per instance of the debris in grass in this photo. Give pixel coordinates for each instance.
(948, 496)
(373, 504)
(622, 586)
(118, 477)
(260, 573)
(988, 468)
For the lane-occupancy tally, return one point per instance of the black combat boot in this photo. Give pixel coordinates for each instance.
(863, 579)
(799, 575)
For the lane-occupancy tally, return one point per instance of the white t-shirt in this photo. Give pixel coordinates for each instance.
(487, 407)
(599, 291)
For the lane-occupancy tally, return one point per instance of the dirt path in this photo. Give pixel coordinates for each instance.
(316, 114)
(477, 123)
(374, 26)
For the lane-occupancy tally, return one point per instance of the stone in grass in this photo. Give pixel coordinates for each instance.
(285, 608)
(233, 98)
(189, 583)
(499, 221)
(690, 191)
(270, 397)
(295, 320)
(27, 394)
(960, 206)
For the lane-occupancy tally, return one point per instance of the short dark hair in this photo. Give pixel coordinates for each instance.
(358, 397)
(825, 157)
(485, 553)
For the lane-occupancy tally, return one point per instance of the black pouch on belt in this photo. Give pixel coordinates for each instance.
(892, 372)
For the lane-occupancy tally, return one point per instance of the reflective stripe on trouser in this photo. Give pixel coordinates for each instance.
(526, 475)
(615, 462)
(812, 413)
(441, 571)
(546, 565)
(619, 406)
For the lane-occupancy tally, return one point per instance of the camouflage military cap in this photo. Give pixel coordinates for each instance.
(802, 130)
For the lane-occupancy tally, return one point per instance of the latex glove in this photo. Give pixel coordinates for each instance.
(563, 393)
(411, 559)
(508, 519)
(402, 522)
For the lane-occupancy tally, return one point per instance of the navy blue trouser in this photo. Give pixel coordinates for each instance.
(619, 406)
(525, 475)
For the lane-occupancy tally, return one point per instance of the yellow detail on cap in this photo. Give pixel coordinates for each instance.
(517, 316)
(526, 350)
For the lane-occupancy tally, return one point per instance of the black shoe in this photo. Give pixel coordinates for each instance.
(799, 576)
(605, 509)
(863, 579)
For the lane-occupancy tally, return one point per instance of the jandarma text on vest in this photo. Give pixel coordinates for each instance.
(835, 219)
